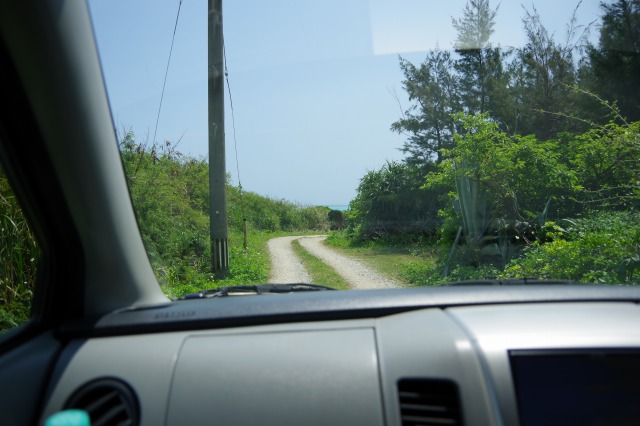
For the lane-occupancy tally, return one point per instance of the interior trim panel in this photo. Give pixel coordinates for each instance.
(342, 372)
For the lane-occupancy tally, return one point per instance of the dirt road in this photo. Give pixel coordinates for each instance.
(287, 268)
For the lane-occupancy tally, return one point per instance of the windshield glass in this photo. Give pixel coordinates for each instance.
(375, 144)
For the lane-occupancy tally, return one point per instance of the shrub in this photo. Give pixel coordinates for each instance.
(336, 219)
(390, 201)
(170, 193)
(601, 248)
(423, 274)
(19, 255)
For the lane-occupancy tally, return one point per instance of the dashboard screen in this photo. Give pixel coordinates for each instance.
(593, 387)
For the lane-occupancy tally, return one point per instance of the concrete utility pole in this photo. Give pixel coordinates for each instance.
(217, 168)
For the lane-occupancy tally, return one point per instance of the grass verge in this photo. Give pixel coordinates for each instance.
(320, 272)
(397, 261)
(251, 266)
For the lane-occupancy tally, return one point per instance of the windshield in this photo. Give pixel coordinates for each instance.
(372, 144)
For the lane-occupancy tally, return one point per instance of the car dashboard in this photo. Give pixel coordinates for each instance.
(474, 356)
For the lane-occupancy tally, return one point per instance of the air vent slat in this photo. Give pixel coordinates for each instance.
(109, 402)
(415, 420)
(99, 402)
(429, 402)
(420, 407)
(115, 416)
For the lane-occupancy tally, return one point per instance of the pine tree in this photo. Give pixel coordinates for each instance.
(479, 65)
(428, 122)
(546, 76)
(616, 62)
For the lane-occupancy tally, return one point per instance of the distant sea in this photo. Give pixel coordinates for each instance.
(341, 207)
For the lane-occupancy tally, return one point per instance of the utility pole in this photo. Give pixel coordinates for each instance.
(217, 168)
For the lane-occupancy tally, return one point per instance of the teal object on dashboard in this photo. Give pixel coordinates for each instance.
(69, 418)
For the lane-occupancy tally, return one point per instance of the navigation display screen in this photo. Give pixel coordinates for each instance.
(598, 387)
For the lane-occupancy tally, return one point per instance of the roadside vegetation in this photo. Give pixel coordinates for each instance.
(171, 198)
(518, 163)
(18, 260)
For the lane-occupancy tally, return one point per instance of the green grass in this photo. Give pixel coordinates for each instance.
(392, 260)
(320, 272)
(170, 194)
(19, 255)
(249, 266)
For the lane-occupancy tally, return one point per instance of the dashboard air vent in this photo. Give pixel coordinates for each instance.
(108, 401)
(427, 402)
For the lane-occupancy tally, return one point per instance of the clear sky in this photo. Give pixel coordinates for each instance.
(312, 81)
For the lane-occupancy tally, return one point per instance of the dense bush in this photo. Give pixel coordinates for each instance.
(605, 160)
(602, 248)
(336, 219)
(527, 189)
(517, 173)
(390, 202)
(19, 255)
(426, 274)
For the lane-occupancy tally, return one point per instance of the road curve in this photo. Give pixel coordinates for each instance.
(287, 267)
(356, 273)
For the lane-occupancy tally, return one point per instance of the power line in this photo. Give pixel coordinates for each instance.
(166, 71)
(233, 118)
(235, 143)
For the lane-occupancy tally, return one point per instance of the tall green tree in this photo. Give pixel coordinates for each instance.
(548, 74)
(432, 87)
(616, 62)
(479, 65)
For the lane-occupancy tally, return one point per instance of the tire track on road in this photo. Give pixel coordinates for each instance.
(287, 267)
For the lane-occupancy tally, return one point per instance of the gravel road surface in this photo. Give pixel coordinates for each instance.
(288, 268)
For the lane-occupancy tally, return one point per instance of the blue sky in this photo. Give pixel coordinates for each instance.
(312, 81)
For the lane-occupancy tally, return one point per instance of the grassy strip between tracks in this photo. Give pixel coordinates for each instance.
(320, 272)
(396, 261)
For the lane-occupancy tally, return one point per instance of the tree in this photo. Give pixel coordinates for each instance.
(616, 62)
(479, 66)
(546, 75)
(433, 88)
(517, 173)
(606, 161)
(389, 201)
